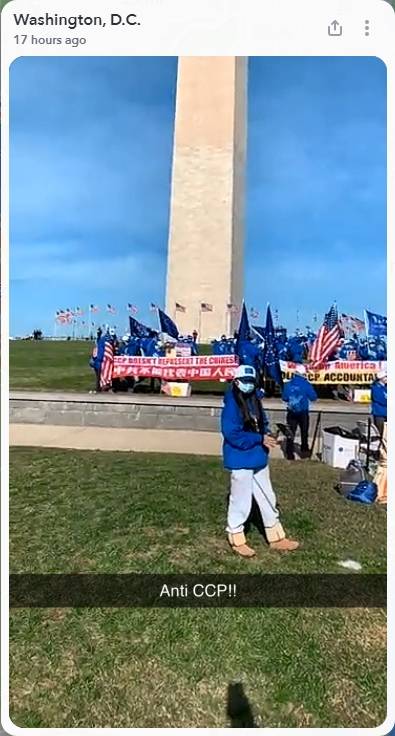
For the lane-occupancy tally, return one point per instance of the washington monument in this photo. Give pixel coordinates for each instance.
(205, 256)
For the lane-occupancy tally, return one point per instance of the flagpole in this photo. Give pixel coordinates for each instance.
(200, 321)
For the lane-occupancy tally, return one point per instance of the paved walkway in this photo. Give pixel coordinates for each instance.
(124, 440)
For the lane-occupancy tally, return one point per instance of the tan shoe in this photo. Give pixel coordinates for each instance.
(284, 545)
(239, 545)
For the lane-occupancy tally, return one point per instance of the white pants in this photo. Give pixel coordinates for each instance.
(245, 484)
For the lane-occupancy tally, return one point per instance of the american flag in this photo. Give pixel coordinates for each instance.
(63, 317)
(358, 325)
(180, 308)
(233, 309)
(254, 314)
(350, 324)
(111, 309)
(107, 364)
(94, 309)
(327, 340)
(153, 307)
(206, 307)
(78, 312)
(132, 308)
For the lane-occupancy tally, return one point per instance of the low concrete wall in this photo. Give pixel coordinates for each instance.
(151, 412)
(88, 414)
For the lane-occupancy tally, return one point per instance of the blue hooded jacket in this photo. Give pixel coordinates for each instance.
(379, 400)
(98, 353)
(298, 393)
(241, 449)
(249, 354)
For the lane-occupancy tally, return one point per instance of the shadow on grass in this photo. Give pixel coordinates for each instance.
(238, 707)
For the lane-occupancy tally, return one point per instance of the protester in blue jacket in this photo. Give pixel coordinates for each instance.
(246, 446)
(96, 361)
(295, 349)
(298, 393)
(133, 346)
(248, 353)
(379, 400)
(381, 350)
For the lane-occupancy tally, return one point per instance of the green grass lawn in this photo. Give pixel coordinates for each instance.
(115, 512)
(51, 366)
(64, 366)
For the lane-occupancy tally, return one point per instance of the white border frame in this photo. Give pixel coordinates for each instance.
(199, 28)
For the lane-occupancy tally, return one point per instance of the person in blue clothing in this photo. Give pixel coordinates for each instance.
(96, 361)
(379, 400)
(298, 393)
(251, 353)
(246, 445)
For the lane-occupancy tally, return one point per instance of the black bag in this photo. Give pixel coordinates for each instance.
(341, 431)
(355, 473)
(284, 430)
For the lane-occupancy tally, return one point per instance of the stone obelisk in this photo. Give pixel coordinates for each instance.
(205, 256)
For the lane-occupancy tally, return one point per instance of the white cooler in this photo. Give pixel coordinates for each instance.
(338, 451)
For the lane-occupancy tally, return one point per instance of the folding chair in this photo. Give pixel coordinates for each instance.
(370, 439)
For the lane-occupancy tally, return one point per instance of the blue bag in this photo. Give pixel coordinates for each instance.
(364, 492)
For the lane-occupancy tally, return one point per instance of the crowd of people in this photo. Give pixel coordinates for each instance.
(150, 345)
(293, 348)
(250, 351)
(296, 347)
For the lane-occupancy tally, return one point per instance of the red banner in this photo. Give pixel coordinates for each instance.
(201, 368)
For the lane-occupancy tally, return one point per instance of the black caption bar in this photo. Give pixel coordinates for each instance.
(140, 590)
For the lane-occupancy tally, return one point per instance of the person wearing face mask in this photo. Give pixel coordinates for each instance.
(379, 401)
(246, 445)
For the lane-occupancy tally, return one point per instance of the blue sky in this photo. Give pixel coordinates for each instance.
(91, 144)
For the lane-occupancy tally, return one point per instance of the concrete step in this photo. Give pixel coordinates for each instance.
(154, 412)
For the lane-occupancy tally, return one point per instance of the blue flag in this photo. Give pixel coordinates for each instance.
(244, 331)
(376, 324)
(167, 325)
(137, 329)
(270, 353)
(260, 331)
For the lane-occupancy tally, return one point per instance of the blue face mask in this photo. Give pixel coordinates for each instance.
(246, 388)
